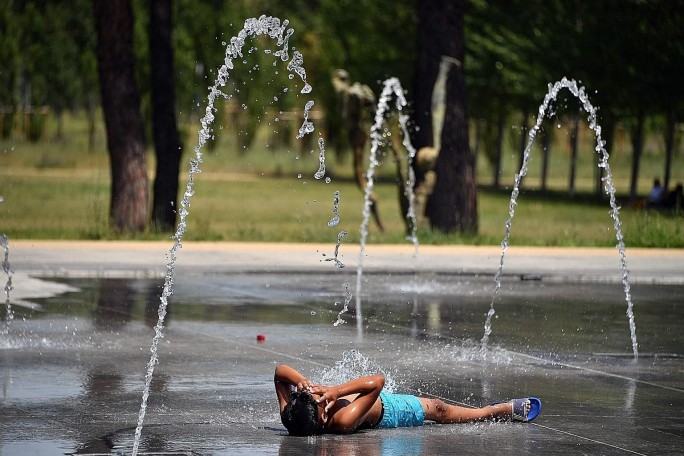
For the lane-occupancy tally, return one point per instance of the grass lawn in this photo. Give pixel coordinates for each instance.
(59, 190)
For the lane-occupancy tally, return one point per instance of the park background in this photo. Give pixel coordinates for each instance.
(257, 179)
(83, 293)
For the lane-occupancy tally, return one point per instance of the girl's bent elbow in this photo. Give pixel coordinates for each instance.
(279, 371)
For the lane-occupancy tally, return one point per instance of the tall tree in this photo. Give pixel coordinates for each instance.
(431, 45)
(121, 106)
(453, 204)
(164, 126)
(9, 75)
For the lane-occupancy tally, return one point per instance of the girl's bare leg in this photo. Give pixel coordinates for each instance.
(437, 410)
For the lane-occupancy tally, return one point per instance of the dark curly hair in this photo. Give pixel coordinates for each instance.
(300, 415)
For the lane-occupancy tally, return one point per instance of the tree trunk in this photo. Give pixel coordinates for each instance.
(92, 110)
(669, 145)
(546, 140)
(500, 124)
(164, 127)
(431, 45)
(637, 147)
(121, 106)
(453, 204)
(59, 114)
(574, 144)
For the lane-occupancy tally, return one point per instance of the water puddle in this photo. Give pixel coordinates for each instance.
(554, 317)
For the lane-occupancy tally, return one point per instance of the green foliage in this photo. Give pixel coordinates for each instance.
(617, 49)
(51, 52)
(9, 56)
(627, 53)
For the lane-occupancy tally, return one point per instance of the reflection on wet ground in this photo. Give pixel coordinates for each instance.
(72, 373)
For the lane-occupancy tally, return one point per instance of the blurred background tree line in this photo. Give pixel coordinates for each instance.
(628, 53)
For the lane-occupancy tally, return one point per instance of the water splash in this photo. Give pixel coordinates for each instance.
(392, 87)
(307, 125)
(4, 243)
(278, 31)
(321, 159)
(345, 308)
(335, 220)
(338, 263)
(609, 188)
(354, 364)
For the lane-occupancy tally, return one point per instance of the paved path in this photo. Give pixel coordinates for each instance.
(139, 259)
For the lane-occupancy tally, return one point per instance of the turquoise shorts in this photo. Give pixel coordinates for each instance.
(400, 410)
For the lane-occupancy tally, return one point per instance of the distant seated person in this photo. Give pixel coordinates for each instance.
(656, 198)
(309, 409)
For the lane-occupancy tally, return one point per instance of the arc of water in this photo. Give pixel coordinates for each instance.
(411, 155)
(278, 31)
(609, 188)
(391, 87)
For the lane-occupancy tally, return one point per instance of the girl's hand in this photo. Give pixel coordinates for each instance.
(305, 385)
(328, 395)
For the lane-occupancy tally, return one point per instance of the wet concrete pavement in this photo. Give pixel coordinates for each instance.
(57, 258)
(72, 379)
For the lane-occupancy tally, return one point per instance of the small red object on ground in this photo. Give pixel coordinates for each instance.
(261, 338)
